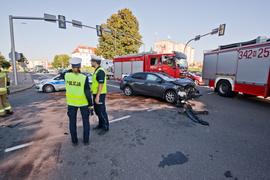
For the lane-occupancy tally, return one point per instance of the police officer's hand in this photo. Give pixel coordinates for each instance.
(91, 107)
(97, 100)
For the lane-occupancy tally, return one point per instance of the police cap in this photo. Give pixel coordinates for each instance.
(95, 58)
(75, 61)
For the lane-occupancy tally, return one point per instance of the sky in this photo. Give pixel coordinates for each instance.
(181, 20)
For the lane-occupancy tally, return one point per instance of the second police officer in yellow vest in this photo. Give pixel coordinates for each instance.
(78, 95)
(99, 90)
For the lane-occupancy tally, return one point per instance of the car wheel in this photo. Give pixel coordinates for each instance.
(196, 82)
(48, 88)
(224, 89)
(128, 91)
(170, 96)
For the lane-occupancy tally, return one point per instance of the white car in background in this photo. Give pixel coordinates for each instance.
(57, 83)
(51, 70)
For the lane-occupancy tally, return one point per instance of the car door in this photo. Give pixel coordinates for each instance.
(155, 63)
(153, 85)
(137, 82)
(59, 83)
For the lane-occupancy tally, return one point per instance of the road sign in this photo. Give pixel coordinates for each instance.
(62, 22)
(50, 18)
(214, 31)
(106, 30)
(77, 23)
(23, 64)
(16, 56)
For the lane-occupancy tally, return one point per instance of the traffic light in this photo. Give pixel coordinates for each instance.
(99, 30)
(62, 22)
(21, 57)
(221, 29)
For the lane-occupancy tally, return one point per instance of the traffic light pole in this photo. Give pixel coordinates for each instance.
(13, 50)
(75, 23)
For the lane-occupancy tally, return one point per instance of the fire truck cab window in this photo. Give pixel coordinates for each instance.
(169, 62)
(154, 61)
(139, 76)
(160, 61)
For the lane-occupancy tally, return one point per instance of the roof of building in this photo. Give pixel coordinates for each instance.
(83, 47)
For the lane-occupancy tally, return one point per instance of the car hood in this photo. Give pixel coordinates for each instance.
(183, 82)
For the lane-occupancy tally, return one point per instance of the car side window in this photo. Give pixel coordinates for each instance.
(57, 78)
(151, 77)
(140, 76)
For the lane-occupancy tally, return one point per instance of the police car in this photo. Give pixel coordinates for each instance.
(57, 83)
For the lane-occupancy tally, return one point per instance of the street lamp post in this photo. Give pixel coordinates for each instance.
(221, 30)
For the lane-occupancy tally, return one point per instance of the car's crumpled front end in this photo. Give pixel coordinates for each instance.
(186, 90)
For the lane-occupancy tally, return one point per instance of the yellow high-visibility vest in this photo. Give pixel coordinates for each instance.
(75, 89)
(3, 83)
(95, 83)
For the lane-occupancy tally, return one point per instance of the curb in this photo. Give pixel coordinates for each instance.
(22, 89)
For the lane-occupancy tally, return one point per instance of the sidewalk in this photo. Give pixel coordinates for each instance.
(25, 81)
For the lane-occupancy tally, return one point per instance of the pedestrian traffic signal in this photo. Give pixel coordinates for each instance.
(99, 30)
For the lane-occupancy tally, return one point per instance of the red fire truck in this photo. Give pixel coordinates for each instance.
(239, 67)
(174, 64)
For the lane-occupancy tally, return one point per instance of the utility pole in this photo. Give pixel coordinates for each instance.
(13, 50)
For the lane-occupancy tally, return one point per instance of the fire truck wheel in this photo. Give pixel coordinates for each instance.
(196, 82)
(128, 91)
(170, 96)
(224, 88)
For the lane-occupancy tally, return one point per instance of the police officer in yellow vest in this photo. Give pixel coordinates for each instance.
(5, 107)
(78, 95)
(99, 90)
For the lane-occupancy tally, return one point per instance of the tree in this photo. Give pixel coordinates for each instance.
(123, 22)
(4, 64)
(60, 61)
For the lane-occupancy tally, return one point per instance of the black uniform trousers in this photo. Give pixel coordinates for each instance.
(72, 114)
(100, 111)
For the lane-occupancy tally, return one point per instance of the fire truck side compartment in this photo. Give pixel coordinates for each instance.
(227, 63)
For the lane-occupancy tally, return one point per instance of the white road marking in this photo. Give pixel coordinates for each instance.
(113, 86)
(119, 119)
(17, 147)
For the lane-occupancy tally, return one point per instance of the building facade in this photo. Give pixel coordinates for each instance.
(84, 52)
(167, 47)
(33, 63)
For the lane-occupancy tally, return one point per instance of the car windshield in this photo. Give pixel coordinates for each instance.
(181, 63)
(166, 77)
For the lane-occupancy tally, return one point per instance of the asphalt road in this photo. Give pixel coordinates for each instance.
(154, 143)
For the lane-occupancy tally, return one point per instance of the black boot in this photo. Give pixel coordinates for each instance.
(9, 112)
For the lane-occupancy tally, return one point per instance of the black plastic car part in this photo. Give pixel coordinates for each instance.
(193, 115)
